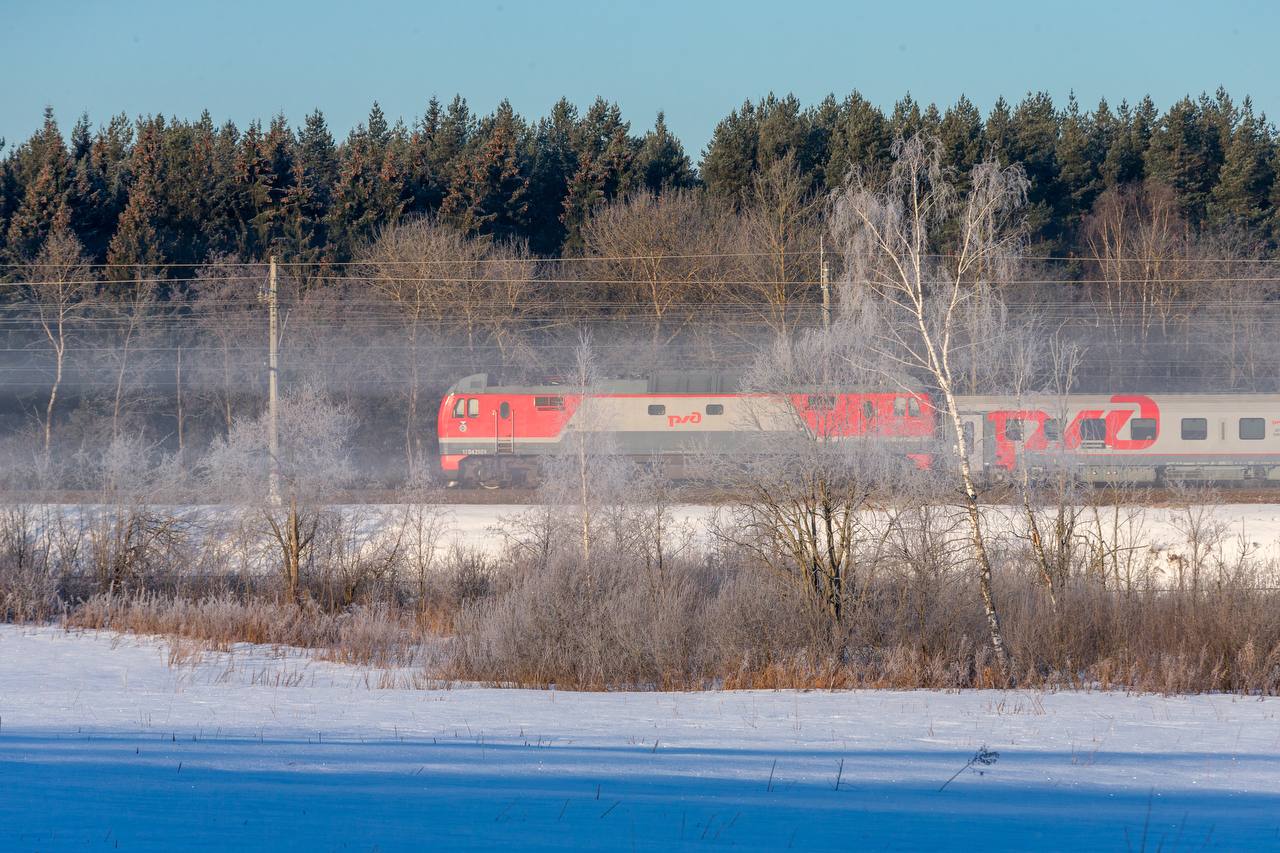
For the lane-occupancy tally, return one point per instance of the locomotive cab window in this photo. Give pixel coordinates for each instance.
(913, 407)
(1253, 429)
(459, 408)
(715, 409)
(1195, 429)
(473, 408)
(1013, 430)
(1142, 429)
(899, 406)
(504, 411)
(657, 410)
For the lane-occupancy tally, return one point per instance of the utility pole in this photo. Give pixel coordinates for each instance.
(824, 279)
(273, 389)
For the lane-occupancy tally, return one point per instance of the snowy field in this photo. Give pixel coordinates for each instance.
(110, 742)
(1154, 536)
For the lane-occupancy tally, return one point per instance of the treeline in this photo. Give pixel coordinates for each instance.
(156, 191)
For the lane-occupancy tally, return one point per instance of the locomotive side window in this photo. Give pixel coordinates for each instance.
(715, 409)
(473, 408)
(1195, 429)
(459, 408)
(1142, 429)
(1093, 429)
(868, 410)
(657, 410)
(552, 404)
(1053, 429)
(1253, 429)
(504, 411)
(822, 402)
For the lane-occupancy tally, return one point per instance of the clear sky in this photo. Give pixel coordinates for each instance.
(695, 60)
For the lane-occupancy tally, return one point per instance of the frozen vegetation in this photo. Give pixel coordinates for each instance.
(124, 742)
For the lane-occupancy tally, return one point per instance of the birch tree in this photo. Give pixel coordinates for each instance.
(889, 232)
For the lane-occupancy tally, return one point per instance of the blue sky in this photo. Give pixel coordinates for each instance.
(695, 60)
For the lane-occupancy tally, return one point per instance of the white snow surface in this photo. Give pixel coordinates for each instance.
(106, 745)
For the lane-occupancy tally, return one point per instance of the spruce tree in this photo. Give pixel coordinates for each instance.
(960, 134)
(1185, 155)
(1033, 144)
(310, 191)
(1240, 200)
(44, 175)
(729, 161)
(661, 163)
(555, 163)
(136, 243)
(489, 192)
(860, 140)
(1081, 151)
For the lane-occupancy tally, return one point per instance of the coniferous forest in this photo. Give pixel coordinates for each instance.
(166, 191)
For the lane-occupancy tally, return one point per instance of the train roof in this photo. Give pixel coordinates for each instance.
(660, 382)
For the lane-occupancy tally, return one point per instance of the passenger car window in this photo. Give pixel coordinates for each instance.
(1142, 429)
(473, 408)
(715, 409)
(1253, 429)
(1093, 429)
(657, 410)
(1195, 429)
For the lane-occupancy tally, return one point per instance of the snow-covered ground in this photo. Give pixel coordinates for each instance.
(107, 744)
(1154, 537)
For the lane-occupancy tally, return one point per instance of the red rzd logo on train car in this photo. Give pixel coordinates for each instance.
(677, 420)
(1113, 421)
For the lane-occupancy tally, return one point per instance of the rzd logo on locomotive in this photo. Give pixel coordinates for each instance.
(677, 420)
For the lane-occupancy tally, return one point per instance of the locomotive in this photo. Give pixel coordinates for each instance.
(495, 435)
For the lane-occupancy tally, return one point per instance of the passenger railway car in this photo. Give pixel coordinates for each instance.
(494, 435)
(1135, 438)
